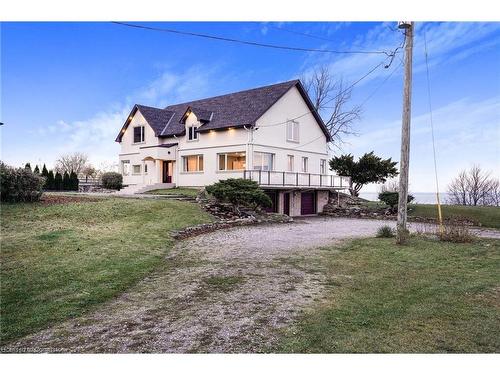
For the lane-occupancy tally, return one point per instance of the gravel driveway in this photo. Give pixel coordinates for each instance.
(227, 291)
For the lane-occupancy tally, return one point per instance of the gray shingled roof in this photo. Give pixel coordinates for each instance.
(220, 112)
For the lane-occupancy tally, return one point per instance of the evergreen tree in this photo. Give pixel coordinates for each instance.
(74, 181)
(45, 172)
(28, 167)
(36, 170)
(66, 182)
(58, 181)
(50, 182)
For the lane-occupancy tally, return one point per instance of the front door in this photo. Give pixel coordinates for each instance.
(168, 171)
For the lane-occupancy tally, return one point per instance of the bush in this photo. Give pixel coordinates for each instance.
(66, 183)
(385, 232)
(455, 231)
(239, 192)
(391, 198)
(19, 184)
(112, 180)
(74, 181)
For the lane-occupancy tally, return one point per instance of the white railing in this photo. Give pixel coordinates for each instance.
(277, 178)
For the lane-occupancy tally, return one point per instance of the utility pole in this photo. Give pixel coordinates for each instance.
(402, 231)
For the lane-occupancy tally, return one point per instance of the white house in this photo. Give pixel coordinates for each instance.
(270, 134)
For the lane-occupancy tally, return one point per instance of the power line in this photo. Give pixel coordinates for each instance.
(331, 99)
(440, 216)
(248, 42)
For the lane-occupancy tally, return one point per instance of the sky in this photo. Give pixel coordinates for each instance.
(69, 86)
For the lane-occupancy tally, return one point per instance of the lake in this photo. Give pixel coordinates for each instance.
(423, 198)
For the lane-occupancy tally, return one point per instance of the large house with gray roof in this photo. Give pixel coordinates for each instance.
(271, 134)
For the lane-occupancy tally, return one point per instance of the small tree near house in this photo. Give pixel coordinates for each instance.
(239, 192)
(370, 168)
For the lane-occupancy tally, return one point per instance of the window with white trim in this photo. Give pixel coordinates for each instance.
(192, 163)
(263, 161)
(138, 134)
(322, 166)
(292, 131)
(136, 169)
(125, 167)
(192, 133)
(290, 163)
(305, 162)
(232, 161)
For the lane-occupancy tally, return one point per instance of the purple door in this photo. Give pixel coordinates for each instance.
(308, 203)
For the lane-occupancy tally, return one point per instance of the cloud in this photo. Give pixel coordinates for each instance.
(464, 128)
(95, 135)
(446, 42)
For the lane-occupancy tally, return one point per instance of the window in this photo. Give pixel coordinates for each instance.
(193, 163)
(136, 169)
(139, 134)
(125, 167)
(145, 169)
(292, 131)
(305, 161)
(290, 163)
(322, 166)
(263, 161)
(232, 161)
(192, 133)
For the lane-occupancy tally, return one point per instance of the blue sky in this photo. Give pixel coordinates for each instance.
(69, 86)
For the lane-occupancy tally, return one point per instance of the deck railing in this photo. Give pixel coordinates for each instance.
(299, 179)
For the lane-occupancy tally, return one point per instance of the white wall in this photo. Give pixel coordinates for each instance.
(272, 138)
(131, 151)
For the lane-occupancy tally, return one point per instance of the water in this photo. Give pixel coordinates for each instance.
(423, 198)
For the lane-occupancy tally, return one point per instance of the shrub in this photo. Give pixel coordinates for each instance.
(385, 232)
(112, 180)
(391, 198)
(239, 192)
(455, 231)
(19, 184)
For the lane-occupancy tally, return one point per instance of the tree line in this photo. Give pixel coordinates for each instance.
(56, 181)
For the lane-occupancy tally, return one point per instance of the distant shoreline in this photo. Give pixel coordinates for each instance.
(421, 198)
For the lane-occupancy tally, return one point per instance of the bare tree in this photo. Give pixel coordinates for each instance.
(71, 162)
(474, 187)
(330, 97)
(493, 198)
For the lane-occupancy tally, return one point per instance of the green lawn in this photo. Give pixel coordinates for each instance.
(176, 191)
(486, 216)
(60, 260)
(428, 296)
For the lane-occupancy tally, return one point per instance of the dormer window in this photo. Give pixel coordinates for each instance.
(138, 134)
(192, 133)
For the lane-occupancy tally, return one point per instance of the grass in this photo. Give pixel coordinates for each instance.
(486, 216)
(59, 261)
(176, 191)
(427, 297)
